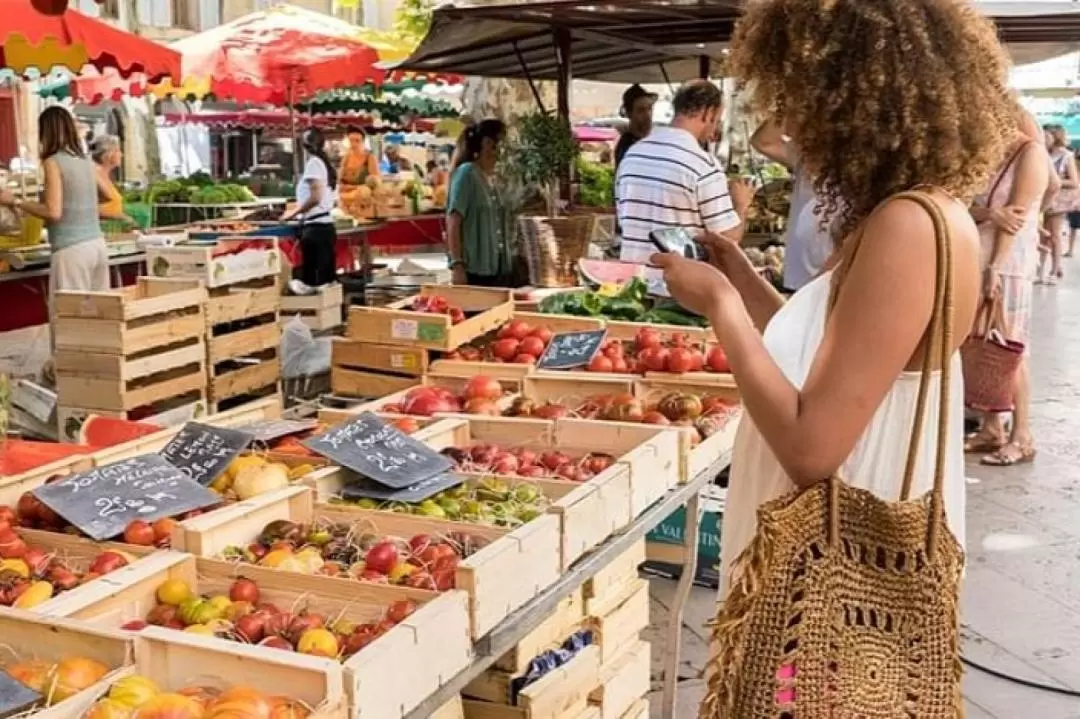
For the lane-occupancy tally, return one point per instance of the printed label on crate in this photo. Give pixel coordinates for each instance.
(15, 697)
(271, 429)
(571, 349)
(104, 500)
(431, 332)
(404, 329)
(203, 452)
(374, 449)
(402, 361)
(364, 488)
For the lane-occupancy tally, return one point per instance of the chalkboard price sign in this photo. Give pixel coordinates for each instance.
(568, 350)
(15, 697)
(364, 488)
(203, 452)
(104, 500)
(370, 447)
(271, 429)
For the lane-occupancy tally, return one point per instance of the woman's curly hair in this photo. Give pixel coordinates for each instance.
(879, 96)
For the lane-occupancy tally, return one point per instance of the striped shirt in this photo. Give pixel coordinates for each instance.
(667, 180)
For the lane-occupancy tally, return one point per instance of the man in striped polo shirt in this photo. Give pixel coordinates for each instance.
(668, 179)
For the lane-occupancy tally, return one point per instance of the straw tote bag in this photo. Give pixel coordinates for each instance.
(844, 604)
(991, 361)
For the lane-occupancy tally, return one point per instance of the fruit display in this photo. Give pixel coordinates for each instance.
(137, 695)
(31, 575)
(250, 475)
(437, 305)
(238, 615)
(516, 341)
(490, 501)
(707, 414)
(59, 680)
(225, 227)
(629, 302)
(490, 458)
(651, 351)
(480, 395)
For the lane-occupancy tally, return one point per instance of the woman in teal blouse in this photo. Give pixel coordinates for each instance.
(477, 235)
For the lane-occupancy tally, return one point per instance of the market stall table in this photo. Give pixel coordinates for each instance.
(409, 232)
(506, 635)
(205, 212)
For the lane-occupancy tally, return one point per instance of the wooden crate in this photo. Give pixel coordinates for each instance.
(452, 383)
(613, 580)
(433, 643)
(320, 311)
(121, 350)
(486, 309)
(345, 382)
(646, 467)
(628, 330)
(198, 260)
(389, 359)
(244, 340)
(623, 681)
(450, 710)
(504, 575)
(502, 371)
(175, 660)
(560, 694)
(561, 323)
(620, 623)
(637, 710)
(568, 617)
(171, 412)
(31, 636)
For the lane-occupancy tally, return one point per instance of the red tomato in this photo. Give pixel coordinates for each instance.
(618, 364)
(601, 363)
(481, 387)
(532, 345)
(648, 337)
(654, 358)
(542, 333)
(717, 360)
(698, 360)
(517, 329)
(525, 359)
(506, 349)
(680, 339)
(680, 360)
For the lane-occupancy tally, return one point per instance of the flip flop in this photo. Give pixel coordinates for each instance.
(980, 444)
(1001, 459)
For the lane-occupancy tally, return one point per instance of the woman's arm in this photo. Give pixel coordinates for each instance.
(879, 319)
(372, 165)
(52, 209)
(458, 205)
(1029, 186)
(760, 297)
(769, 141)
(318, 187)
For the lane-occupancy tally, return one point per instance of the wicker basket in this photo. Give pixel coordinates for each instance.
(553, 246)
(990, 362)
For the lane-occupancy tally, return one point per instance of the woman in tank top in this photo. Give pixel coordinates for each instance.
(69, 206)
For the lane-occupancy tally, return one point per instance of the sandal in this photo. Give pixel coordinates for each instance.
(1008, 457)
(982, 444)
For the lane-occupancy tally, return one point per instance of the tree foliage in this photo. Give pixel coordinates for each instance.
(412, 18)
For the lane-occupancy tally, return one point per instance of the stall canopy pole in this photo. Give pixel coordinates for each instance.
(529, 78)
(295, 140)
(562, 48)
(704, 67)
(667, 79)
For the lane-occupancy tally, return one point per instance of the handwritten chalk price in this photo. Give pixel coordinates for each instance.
(568, 350)
(203, 452)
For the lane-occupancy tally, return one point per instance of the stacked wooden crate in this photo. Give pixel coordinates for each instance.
(386, 349)
(131, 352)
(243, 334)
(321, 312)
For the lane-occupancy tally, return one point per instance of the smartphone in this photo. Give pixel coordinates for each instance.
(678, 240)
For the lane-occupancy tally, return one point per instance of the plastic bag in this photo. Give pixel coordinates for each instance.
(303, 355)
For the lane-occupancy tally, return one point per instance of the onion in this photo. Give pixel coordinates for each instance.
(258, 480)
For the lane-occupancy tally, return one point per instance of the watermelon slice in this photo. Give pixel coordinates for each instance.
(20, 455)
(612, 272)
(98, 431)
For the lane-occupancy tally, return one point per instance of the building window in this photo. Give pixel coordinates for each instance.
(181, 14)
(110, 9)
(349, 10)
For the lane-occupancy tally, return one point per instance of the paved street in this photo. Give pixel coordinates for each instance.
(1022, 590)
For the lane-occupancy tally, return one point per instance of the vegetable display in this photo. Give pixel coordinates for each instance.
(490, 458)
(596, 186)
(631, 303)
(140, 696)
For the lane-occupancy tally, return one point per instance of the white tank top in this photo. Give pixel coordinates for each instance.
(877, 461)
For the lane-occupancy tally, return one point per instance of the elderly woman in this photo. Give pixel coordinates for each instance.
(105, 151)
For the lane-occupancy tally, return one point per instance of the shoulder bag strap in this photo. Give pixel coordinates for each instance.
(1005, 170)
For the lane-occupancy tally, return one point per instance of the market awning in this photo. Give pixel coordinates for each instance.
(278, 120)
(656, 40)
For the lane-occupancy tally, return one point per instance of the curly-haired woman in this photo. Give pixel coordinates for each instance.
(870, 96)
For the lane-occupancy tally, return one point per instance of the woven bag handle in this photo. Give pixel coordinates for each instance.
(941, 326)
(989, 317)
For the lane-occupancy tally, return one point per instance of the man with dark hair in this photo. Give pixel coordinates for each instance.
(668, 180)
(637, 108)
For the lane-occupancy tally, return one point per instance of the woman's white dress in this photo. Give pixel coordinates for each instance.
(877, 462)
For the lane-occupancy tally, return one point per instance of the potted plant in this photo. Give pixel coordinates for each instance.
(541, 151)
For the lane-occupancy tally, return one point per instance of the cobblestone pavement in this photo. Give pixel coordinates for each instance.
(1021, 610)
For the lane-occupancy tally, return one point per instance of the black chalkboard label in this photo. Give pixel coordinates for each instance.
(15, 697)
(568, 350)
(104, 500)
(203, 452)
(364, 488)
(271, 429)
(370, 447)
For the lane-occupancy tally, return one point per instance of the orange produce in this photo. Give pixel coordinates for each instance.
(171, 706)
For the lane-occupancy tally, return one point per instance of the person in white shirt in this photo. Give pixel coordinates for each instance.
(667, 179)
(315, 197)
(808, 243)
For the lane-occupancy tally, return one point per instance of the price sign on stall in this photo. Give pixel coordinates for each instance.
(364, 488)
(374, 449)
(103, 501)
(15, 697)
(271, 429)
(203, 452)
(568, 350)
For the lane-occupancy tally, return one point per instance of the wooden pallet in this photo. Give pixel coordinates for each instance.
(560, 694)
(127, 349)
(243, 341)
(433, 642)
(320, 312)
(624, 680)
